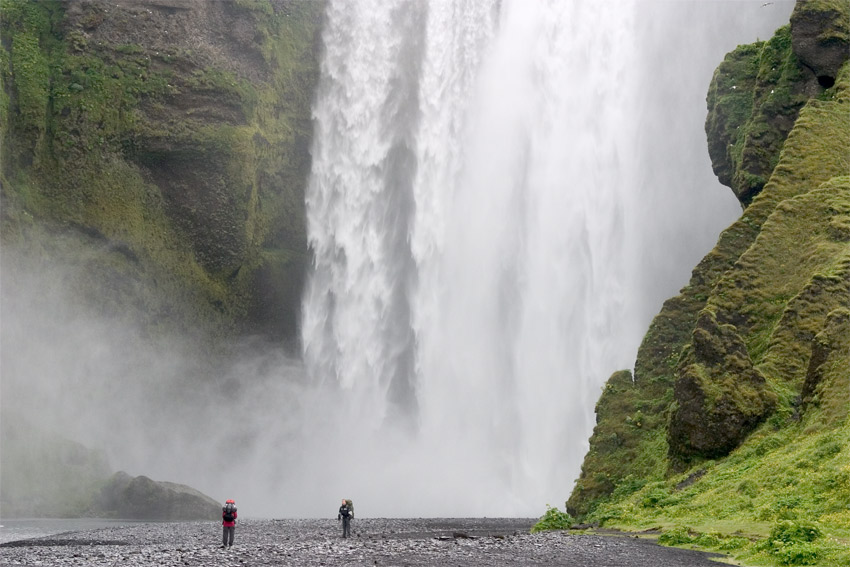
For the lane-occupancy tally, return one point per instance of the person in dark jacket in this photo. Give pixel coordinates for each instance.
(228, 520)
(345, 514)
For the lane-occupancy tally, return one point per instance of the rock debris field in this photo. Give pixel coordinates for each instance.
(443, 542)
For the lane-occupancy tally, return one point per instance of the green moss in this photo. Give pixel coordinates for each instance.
(30, 70)
(191, 168)
(26, 29)
(225, 86)
(805, 480)
(630, 427)
(753, 100)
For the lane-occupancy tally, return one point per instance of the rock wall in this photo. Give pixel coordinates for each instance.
(153, 158)
(173, 137)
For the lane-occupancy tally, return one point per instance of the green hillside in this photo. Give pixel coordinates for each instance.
(733, 432)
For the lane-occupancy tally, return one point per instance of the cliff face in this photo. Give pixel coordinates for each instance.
(759, 89)
(746, 372)
(172, 137)
(153, 159)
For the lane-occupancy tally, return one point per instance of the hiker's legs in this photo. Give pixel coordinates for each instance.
(227, 536)
(346, 524)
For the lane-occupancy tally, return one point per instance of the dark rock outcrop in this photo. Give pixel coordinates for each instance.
(140, 498)
(720, 397)
(820, 34)
(753, 101)
(43, 474)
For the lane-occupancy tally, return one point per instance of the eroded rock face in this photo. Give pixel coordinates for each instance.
(820, 33)
(750, 114)
(720, 396)
(185, 137)
(757, 92)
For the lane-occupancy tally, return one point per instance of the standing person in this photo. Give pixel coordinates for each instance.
(228, 520)
(345, 514)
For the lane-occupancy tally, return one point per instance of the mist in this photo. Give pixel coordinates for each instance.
(522, 196)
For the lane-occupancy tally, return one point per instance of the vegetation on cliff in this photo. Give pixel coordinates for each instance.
(172, 138)
(733, 432)
(153, 159)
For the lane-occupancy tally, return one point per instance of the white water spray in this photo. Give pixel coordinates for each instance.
(498, 195)
(467, 213)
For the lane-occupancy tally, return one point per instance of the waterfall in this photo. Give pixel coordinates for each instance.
(466, 211)
(477, 209)
(502, 194)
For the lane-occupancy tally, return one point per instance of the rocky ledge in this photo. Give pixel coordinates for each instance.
(469, 542)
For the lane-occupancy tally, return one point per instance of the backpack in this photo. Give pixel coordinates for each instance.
(350, 505)
(228, 510)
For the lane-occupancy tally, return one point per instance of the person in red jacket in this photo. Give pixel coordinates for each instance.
(228, 520)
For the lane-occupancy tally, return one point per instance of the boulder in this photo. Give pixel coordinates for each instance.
(141, 498)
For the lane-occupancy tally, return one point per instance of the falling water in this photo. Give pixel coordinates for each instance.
(467, 210)
(502, 194)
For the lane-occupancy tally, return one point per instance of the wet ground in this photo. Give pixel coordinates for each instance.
(389, 542)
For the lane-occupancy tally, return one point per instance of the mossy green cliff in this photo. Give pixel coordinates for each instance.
(171, 137)
(735, 424)
(153, 159)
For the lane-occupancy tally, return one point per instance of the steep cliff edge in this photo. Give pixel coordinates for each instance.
(172, 137)
(736, 417)
(153, 160)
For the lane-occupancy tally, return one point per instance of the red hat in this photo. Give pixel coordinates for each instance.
(230, 502)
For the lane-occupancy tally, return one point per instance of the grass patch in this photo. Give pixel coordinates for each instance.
(553, 519)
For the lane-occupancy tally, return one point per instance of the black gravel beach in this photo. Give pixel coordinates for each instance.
(447, 542)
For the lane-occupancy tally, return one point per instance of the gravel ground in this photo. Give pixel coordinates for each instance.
(444, 542)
